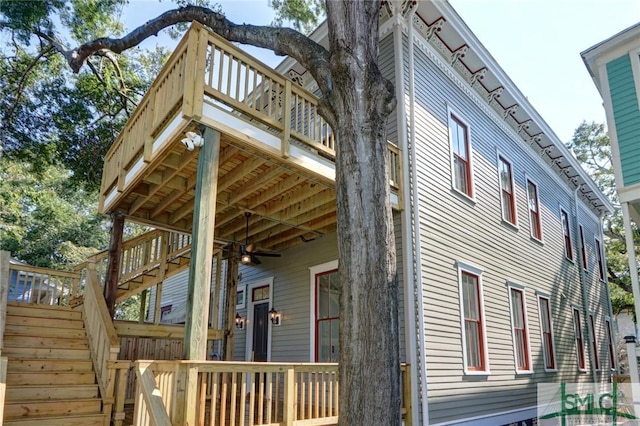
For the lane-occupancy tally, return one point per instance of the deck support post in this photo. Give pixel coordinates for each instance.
(231, 299)
(115, 256)
(5, 279)
(204, 213)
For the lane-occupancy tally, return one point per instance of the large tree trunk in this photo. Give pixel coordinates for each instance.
(369, 357)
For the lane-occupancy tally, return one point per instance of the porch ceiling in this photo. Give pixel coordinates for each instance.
(288, 206)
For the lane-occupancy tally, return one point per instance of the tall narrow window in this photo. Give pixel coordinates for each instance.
(610, 344)
(546, 328)
(583, 249)
(461, 149)
(520, 331)
(594, 344)
(566, 231)
(327, 316)
(507, 197)
(534, 210)
(577, 328)
(600, 259)
(472, 321)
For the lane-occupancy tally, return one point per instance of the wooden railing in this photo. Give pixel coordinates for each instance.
(32, 284)
(103, 339)
(246, 394)
(3, 385)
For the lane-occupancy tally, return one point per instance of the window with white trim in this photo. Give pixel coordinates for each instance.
(611, 348)
(461, 155)
(577, 329)
(566, 232)
(327, 316)
(535, 223)
(583, 249)
(519, 329)
(594, 343)
(600, 259)
(546, 330)
(473, 324)
(507, 190)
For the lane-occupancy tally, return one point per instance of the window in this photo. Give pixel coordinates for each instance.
(610, 345)
(583, 249)
(594, 345)
(461, 150)
(546, 329)
(519, 329)
(507, 195)
(327, 316)
(534, 210)
(566, 231)
(600, 260)
(577, 328)
(473, 327)
(165, 311)
(240, 302)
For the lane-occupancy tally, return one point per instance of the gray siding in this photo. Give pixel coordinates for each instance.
(453, 228)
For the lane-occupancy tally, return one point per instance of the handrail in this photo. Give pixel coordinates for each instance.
(103, 339)
(3, 385)
(37, 285)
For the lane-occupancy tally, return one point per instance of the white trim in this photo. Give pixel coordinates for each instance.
(501, 418)
(519, 287)
(541, 295)
(593, 342)
(467, 267)
(598, 248)
(528, 180)
(453, 112)
(575, 339)
(313, 271)
(241, 288)
(583, 248)
(249, 320)
(611, 342)
(500, 157)
(564, 243)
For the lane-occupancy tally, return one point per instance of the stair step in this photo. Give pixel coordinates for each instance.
(52, 408)
(65, 333)
(45, 353)
(50, 392)
(59, 365)
(50, 378)
(44, 322)
(13, 341)
(68, 420)
(43, 311)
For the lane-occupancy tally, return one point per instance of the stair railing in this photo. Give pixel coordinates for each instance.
(103, 339)
(3, 385)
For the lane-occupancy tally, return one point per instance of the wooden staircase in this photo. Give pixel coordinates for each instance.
(50, 376)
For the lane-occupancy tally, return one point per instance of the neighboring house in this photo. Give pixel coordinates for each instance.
(614, 65)
(31, 287)
(498, 232)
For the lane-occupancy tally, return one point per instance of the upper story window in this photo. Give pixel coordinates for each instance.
(566, 232)
(583, 249)
(546, 328)
(519, 329)
(577, 328)
(507, 192)
(594, 343)
(610, 345)
(461, 155)
(600, 259)
(473, 325)
(534, 210)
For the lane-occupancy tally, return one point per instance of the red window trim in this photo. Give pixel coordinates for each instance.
(534, 215)
(612, 350)
(600, 259)
(521, 333)
(317, 320)
(547, 336)
(594, 343)
(479, 323)
(566, 231)
(577, 328)
(466, 162)
(583, 248)
(504, 193)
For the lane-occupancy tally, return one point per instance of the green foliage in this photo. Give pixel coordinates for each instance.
(45, 221)
(590, 144)
(303, 14)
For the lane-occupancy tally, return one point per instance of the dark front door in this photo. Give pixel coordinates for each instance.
(260, 331)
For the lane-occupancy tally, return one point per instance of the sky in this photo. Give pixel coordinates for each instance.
(536, 42)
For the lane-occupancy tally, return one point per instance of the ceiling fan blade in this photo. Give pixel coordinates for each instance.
(255, 260)
(258, 253)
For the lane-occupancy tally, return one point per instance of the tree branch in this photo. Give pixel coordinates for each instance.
(282, 41)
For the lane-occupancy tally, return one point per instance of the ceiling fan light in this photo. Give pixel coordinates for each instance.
(245, 259)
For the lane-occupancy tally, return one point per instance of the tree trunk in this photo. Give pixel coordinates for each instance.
(369, 358)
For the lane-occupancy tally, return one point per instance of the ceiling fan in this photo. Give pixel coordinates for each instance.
(247, 251)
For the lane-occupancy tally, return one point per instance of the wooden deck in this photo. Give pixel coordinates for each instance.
(276, 156)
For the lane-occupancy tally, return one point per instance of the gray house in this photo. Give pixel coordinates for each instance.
(499, 237)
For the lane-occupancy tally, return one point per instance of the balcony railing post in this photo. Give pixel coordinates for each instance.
(286, 119)
(289, 408)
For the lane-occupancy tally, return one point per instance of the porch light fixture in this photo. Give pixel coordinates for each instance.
(239, 322)
(275, 316)
(192, 140)
(245, 259)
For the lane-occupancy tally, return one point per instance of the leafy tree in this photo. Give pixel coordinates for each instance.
(355, 99)
(590, 144)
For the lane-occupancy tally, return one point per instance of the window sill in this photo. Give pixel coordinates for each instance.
(536, 240)
(550, 370)
(476, 372)
(524, 372)
(471, 200)
(512, 226)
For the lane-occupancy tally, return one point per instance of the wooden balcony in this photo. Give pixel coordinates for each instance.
(276, 154)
